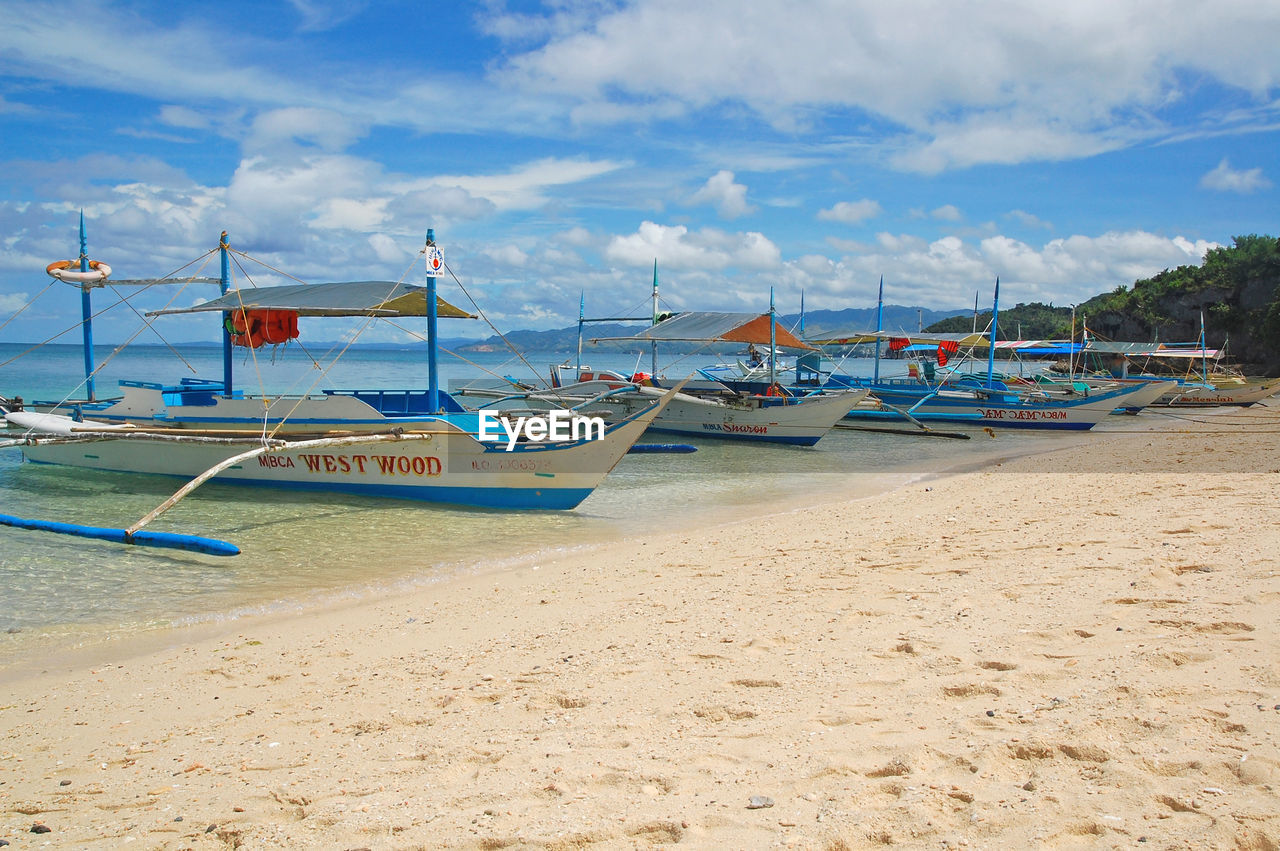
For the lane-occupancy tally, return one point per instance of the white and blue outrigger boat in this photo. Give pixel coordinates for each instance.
(419, 444)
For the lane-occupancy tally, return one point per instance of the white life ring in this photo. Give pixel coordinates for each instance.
(69, 272)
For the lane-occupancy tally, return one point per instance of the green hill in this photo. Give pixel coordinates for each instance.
(1033, 321)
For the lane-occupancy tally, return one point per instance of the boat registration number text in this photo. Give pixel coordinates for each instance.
(1002, 414)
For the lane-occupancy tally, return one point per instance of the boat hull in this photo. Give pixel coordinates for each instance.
(444, 465)
(756, 419)
(1009, 410)
(1203, 396)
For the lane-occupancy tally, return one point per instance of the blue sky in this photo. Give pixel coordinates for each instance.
(562, 147)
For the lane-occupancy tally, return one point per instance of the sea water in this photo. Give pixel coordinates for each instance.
(307, 549)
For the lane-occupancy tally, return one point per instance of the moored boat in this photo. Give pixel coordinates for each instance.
(419, 444)
(758, 418)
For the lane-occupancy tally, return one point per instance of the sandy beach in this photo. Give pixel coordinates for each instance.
(1076, 649)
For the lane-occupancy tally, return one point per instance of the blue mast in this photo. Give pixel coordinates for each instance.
(773, 340)
(879, 324)
(86, 311)
(991, 350)
(582, 318)
(433, 374)
(653, 352)
(224, 283)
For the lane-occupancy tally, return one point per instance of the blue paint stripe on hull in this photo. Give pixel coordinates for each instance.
(1047, 426)
(530, 499)
(748, 438)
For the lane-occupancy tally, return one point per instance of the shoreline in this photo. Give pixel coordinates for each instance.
(1072, 647)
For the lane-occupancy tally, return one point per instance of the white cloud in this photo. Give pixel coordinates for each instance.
(182, 116)
(387, 249)
(1226, 179)
(720, 191)
(852, 212)
(1085, 266)
(947, 213)
(9, 107)
(1029, 220)
(1051, 82)
(960, 84)
(287, 128)
(318, 15)
(12, 302)
(49, 39)
(1007, 141)
(281, 193)
(947, 272)
(577, 237)
(676, 247)
(351, 214)
(508, 255)
(527, 187)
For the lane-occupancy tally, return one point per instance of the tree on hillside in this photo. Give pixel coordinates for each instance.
(1033, 321)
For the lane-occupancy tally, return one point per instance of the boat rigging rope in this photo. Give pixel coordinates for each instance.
(234, 251)
(422, 338)
(19, 311)
(481, 312)
(323, 370)
(121, 299)
(268, 432)
(125, 299)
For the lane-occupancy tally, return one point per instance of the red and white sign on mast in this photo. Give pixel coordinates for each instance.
(435, 261)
